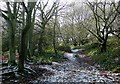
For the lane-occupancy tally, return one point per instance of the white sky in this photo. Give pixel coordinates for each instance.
(68, 1)
(2, 2)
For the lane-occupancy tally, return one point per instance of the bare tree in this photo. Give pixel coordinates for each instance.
(104, 15)
(44, 17)
(73, 19)
(24, 34)
(11, 18)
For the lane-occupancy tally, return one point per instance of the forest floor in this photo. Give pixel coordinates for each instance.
(77, 69)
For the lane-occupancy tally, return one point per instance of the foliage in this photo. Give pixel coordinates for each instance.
(108, 60)
(104, 15)
(48, 57)
(64, 48)
(36, 30)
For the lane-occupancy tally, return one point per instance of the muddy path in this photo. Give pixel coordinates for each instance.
(78, 68)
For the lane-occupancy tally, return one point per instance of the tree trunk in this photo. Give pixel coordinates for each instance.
(40, 43)
(12, 49)
(12, 27)
(54, 44)
(12, 46)
(22, 52)
(30, 44)
(24, 42)
(104, 46)
(54, 34)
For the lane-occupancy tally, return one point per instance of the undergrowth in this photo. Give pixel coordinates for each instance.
(110, 59)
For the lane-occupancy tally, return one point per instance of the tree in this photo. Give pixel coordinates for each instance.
(104, 15)
(11, 20)
(44, 17)
(24, 34)
(116, 27)
(30, 35)
(54, 32)
(1, 34)
(72, 27)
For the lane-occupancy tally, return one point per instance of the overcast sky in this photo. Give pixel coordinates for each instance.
(2, 2)
(68, 1)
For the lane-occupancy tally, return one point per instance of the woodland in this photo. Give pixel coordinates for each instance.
(47, 42)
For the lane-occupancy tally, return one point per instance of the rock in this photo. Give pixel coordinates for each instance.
(55, 63)
(74, 50)
(70, 56)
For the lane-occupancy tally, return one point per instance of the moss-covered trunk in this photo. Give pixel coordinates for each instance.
(12, 18)
(104, 47)
(24, 42)
(30, 35)
(22, 52)
(12, 45)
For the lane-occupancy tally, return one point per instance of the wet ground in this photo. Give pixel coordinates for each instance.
(77, 69)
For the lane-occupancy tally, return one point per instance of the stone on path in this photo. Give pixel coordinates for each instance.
(74, 71)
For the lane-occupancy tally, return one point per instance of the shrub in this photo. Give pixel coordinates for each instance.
(64, 48)
(106, 59)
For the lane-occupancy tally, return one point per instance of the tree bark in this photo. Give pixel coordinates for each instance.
(40, 43)
(12, 46)
(24, 41)
(22, 52)
(54, 34)
(12, 27)
(30, 42)
(104, 46)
